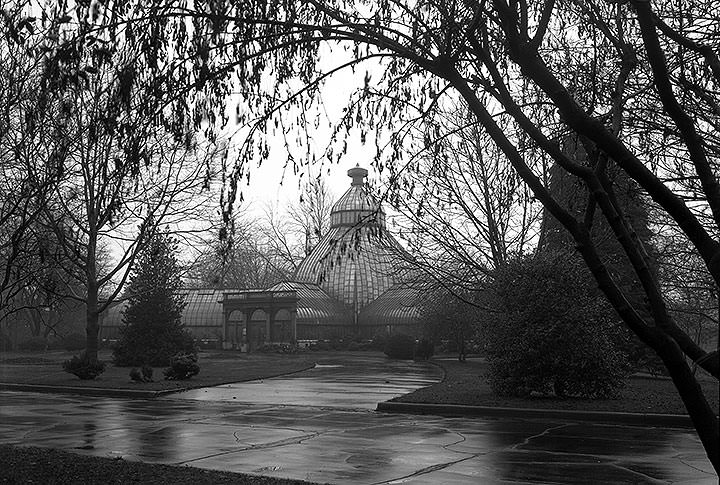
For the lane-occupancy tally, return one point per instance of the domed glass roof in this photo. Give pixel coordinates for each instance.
(357, 260)
(357, 207)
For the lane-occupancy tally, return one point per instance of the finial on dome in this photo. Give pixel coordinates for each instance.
(358, 175)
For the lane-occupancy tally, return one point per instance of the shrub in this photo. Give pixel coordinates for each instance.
(144, 374)
(400, 346)
(182, 366)
(554, 334)
(135, 375)
(424, 349)
(277, 348)
(147, 373)
(74, 341)
(82, 367)
(33, 344)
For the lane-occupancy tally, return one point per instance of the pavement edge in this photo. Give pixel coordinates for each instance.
(649, 419)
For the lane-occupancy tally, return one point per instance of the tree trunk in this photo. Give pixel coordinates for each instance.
(701, 413)
(92, 324)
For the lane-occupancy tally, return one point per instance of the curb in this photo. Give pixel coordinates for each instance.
(87, 391)
(650, 419)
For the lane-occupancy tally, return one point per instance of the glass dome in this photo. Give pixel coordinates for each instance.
(357, 260)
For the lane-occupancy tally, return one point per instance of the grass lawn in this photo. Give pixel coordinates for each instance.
(216, 367)
(48, 466)
(465, 383)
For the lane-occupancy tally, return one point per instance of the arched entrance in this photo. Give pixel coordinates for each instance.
(255, 333)
(234, 331)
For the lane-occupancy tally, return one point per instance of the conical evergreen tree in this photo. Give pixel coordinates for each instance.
(554, 239)
(153, 331)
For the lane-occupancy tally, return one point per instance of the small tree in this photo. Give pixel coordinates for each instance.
(153, 331)
(553, 332)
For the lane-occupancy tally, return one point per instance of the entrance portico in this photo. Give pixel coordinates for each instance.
(270, 331)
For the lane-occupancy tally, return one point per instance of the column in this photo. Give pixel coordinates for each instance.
(248, 315)
(293, 325)
(226, 337)
(268, 325)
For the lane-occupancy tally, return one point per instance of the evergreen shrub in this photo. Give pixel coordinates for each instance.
(83, 368)
(182, 366)
(144, 374)
(554, 334)
(400, 346)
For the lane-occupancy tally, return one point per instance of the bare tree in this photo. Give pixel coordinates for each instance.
(279, 235)
(100, 208)
(289, 234)
(110, 193)
(21, 140)
(310, 216)
(241, 259)
(463, 211)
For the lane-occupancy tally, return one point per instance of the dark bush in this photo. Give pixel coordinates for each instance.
(33, 344)
(144, 374)
(73, 342)
(82, 367)
(135, 375)
(424, 349)
(554, 334)
(147, 373)
(182, 366)
(277, 349)
(400, 346)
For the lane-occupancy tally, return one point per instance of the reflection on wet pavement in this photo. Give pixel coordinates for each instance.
(355, 383)
(340, 445)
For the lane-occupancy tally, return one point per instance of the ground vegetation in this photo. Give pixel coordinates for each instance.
(44, 465)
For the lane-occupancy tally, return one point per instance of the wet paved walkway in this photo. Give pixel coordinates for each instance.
(337, 441)
(356, 382)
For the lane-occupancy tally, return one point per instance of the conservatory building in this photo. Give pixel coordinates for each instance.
(353, 284)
